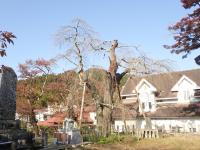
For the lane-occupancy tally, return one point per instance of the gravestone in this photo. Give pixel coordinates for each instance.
(8, 80)
(74, 136)
(10, 131)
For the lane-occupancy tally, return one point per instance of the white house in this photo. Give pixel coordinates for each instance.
(169, 101)
(50, 117)
(44, 113)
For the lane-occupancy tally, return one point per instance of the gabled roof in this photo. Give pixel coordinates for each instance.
(146, 82)
(176, 86)
(162, 82)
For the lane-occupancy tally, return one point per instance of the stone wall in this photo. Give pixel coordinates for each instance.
(8, 81)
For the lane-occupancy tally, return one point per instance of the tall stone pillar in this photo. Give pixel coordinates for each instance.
(8, 81)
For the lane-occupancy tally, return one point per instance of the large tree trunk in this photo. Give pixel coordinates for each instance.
(105, 104)
(32, 120)
(82, 104)
(105, 111)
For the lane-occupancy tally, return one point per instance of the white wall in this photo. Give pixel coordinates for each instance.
(146, 95)
(185, 88)
(40, 116)
(93, 117)
(24, 118)
(184, 124)
(166, 124)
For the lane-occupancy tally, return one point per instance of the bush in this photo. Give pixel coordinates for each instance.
(90, 138)
(89, 134)
(110, 139)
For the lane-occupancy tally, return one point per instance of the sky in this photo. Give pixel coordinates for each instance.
(141, 23)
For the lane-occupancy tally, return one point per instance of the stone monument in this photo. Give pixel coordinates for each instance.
(10, 132)
(8, 80)
(74, 136)
(69, 134)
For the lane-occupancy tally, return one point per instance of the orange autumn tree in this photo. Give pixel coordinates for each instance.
(28, 92)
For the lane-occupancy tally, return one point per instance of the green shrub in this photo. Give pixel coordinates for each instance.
(90, 138)
(110, 139)
(89, 134)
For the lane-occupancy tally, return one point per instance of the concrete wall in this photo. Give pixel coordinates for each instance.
(40, 116)
(93, 117)
(167, 125)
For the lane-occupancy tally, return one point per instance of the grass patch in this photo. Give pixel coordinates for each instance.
(128, 142)
(184, 142)
(108, 140)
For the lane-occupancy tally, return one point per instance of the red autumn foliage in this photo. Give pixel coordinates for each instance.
(43, 62)
(5, 38)
(189, 3)
(32, 68)
(187, 30)
(27, 95)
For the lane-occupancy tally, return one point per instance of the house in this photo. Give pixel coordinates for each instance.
(168, 102)
(57, 118)
(42, 114)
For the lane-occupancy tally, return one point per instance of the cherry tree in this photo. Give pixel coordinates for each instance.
(80, 39)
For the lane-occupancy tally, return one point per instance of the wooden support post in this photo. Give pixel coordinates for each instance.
(82, 104)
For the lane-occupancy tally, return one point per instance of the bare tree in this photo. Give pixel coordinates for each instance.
(139, 65)
(79, 38)
(142, 64)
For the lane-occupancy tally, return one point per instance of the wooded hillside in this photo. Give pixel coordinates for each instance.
(62, 89)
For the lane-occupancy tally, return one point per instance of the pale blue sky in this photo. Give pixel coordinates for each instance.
(140, 22)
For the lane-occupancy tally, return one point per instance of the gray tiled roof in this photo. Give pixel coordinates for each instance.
(170, 111)
(162, 82)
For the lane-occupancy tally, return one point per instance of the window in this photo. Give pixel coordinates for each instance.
(147, 101)
(197, 93)
(193, 130)
(123, 128)
(117, 127)
(143, 105)
(150, 105)
(45, 117)
(133, 127)
(186, 95)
